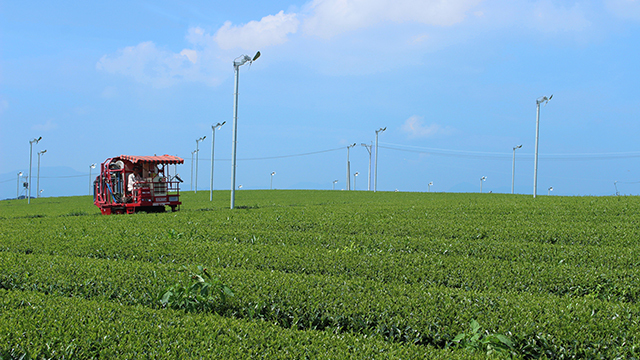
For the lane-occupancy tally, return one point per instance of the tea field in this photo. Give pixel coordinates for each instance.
(323, 275)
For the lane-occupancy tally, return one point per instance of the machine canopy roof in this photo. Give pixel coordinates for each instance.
(164, 159)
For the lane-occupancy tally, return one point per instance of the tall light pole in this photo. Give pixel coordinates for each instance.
(38, 177)
(615, 183)
(272, 173)
(513, 167)
(349, 166)
(213, 143)
(92, 166)
(334, 184)
(354, 180)
(239, 61)
(375, 176)
(30, 161)
(484, 178)
(368, 147)
(18, 186)
(192, 153)
(540, 100)
(197, 152)
(549, 190)
(429, 186)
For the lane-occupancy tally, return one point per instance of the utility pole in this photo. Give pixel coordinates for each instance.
(375, 176)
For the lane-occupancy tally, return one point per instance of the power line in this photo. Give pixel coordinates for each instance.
(496, 155)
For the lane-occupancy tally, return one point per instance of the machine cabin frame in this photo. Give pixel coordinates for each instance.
(128, 184)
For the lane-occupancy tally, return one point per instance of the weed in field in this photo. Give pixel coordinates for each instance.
(205, 293)
(476, 340)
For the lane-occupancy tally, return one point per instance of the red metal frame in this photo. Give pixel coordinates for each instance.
(128, 184)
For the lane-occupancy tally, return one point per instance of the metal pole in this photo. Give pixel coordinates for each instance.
(234, 136)
(213, 142)
(29, 182)
(239, 61)
(271, 186)
(38, 177)
(368, 147)
(354, 180)
(535, 162)
(348, 170)
(18, 186)
(197, 153)
(334, 184)
(513, 167)
(375, 176)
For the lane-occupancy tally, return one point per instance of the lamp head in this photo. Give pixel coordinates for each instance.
(273, 173)
(20, 173)
(93, 166)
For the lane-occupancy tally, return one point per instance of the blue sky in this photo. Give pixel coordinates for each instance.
(454, 82)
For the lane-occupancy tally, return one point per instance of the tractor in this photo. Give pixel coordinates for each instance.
(130, 184)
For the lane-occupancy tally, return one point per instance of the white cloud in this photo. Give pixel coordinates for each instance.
(414, 127)
(626, 9)
(270, 30)
(149, 65)
(47, 126)
(331, 17)
(192, 55)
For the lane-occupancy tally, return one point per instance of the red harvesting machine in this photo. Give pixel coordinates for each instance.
(128, 184)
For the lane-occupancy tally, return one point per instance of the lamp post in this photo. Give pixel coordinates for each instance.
(368, 147)
(18, 186)
(334, 184)
(30, 161)
(484, 178)
(192, 153)
(513, 167)
(549, 190)
(213, 143)
(197, 152)
(615, 183)
(429, 186)
(540, 100)
(272, 173)
(38, 177)
(239, 61)
(375, 176)
(354, 180)
(349, 167)
(92, 166)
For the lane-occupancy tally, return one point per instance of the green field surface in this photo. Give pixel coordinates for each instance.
(323, 275)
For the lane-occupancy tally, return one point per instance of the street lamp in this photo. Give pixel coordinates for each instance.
(213, 142)
(192, 153)
(354, 179)
(18, 186)
(513, 167)
(38, 177)
(549, 190)
(239, 61)
(429, 186)
(30, 161)
(93, 166)
(334, 184)
(272, 173)
(349, 167)
(540, 100)
(615, 183)
(484, 178)
(368, 147)
(197, 152)
(375, 176)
